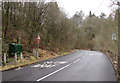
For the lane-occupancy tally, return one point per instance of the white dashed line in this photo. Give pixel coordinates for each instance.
(76, 60)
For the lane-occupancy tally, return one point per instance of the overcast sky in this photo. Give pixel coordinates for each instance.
(71, 6)
(96, 6)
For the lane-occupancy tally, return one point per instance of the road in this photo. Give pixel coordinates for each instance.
(81, 65)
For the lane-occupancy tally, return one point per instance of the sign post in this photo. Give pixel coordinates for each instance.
(38, 42)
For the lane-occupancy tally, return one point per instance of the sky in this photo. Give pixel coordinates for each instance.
(96, 6)
(70, 7)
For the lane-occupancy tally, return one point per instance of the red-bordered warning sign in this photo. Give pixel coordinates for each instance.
(38, 39)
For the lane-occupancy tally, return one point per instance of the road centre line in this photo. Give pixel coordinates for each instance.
(76, 60)
(58, 70)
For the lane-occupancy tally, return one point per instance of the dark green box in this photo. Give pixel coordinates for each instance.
(14, 48)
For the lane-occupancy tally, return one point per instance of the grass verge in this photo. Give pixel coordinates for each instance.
(44, 55)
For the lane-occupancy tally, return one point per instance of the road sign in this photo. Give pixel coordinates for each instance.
(114, 37)
(38, 40)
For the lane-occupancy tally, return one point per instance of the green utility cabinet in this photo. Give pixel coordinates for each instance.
(15, 48)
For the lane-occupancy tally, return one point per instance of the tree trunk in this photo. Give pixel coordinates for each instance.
(6, 20)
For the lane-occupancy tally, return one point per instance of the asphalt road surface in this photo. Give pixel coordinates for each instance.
(81, 65)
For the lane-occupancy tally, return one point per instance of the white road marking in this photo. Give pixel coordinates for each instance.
(49, 64)
(58, 70)
(38, 65)
(83, 56)
(76, 60)
(19, 68)
(90, 54)
(53, 72)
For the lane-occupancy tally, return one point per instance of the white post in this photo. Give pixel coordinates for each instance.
(37, 53)
(15, 57)
(34, 52)
(21, 57)
(5, 58)
(117, 59)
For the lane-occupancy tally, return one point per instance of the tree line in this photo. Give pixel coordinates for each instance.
(23, 21)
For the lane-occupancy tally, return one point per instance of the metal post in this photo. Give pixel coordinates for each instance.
(37, 53)
(21, 57)
(15, 57)
(34, 52)
(5, 58)
(38, 46)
